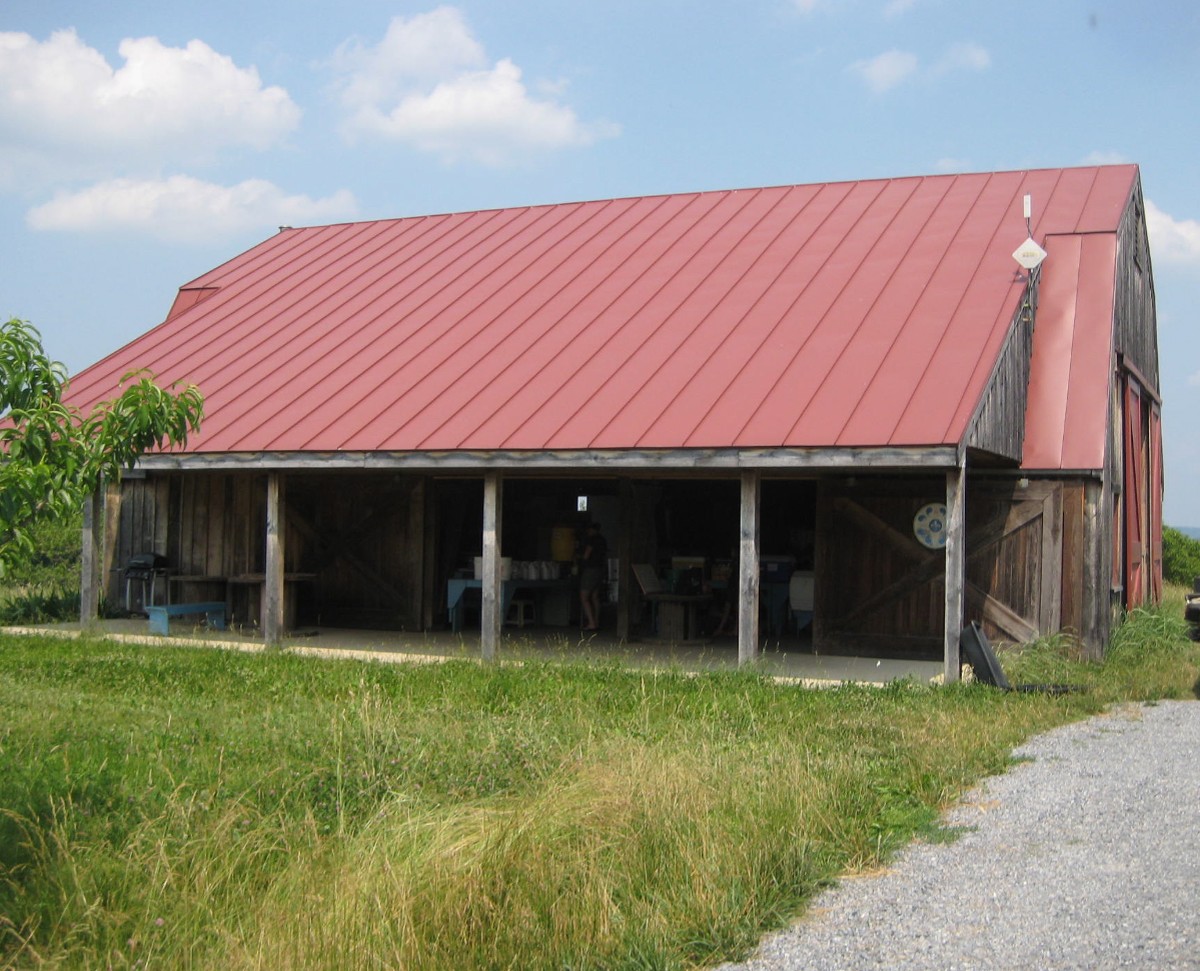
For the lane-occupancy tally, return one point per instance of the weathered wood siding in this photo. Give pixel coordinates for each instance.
(878, 590)
(998, 426)
(1015, 564)
(362, 536)
(1136, 334)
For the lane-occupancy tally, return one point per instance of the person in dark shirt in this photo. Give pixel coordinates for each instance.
(593, 565)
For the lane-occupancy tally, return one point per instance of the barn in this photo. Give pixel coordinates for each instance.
(857, 385)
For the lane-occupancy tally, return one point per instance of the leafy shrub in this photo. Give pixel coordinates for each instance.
(1181, 557)
(41, 605)
(53, 560)
(42, 582)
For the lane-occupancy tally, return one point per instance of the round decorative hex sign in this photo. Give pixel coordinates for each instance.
(929, 526)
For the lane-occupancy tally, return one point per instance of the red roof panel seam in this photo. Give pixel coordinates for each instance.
(600, 313)
(849, 340)
(716, 199)
(262, 390)
(661, 289)
(476, 350)
(264, 335)
(731, 252)
(526, 320)
(800, 253)
(722, 346)
(880, 187)
(916, 305)
(984, 252)
(430, 336)
(679, 303)
(448, 233)
(731, 330)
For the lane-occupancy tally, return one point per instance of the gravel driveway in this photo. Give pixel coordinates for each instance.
(1086, 856)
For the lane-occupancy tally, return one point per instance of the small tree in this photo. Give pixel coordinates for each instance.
(52, 456)
(1181, 557)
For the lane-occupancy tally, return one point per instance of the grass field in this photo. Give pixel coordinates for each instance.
(183, 808)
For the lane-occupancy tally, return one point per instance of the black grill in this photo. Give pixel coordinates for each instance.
(146, 569)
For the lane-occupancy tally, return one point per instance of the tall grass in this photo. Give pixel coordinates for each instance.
(200, 809)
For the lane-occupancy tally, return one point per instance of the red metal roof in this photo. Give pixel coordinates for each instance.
(1072, 354)
(846, 314)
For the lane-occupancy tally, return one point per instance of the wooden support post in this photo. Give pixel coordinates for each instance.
(92, 558)
(490, 620)
(748, 569)
(429, 593)
(1097, 569)
(272, 599)
(956, 562)
(624, 559)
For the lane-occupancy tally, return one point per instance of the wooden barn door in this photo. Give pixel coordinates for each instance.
(879, 592)
(1135, 496)
(1015, 559)
(1156, 500)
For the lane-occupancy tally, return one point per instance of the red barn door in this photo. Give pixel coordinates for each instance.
(1156, 500)
(1134, 490)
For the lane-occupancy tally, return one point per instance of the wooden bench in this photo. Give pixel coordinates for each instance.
(160, 614)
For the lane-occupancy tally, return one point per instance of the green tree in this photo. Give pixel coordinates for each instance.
(52, 455)
(1181, 557)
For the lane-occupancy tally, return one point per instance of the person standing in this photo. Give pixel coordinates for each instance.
(592, 570)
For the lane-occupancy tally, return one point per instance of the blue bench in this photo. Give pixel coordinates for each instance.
(160, 615)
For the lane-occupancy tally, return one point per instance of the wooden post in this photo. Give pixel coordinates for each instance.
(490, 620)
(748, 569)
(429, 571)
(956, 561)
(1097, 569)
(272, 600)
(93, 556)
(624, 559)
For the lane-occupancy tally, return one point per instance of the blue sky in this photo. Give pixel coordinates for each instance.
(143, 143)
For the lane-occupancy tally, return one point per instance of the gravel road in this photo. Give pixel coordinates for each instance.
(1087, 856)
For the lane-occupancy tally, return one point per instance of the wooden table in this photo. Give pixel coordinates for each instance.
(677, 616)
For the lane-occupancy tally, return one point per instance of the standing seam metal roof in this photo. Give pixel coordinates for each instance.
(843, 314)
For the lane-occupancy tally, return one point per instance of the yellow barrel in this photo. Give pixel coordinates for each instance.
(562, 543)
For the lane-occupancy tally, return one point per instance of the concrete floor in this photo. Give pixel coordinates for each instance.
(790, 659)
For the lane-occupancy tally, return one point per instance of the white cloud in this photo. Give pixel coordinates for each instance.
(964, 56)
(952, 165)
(424, 48)
(894, 67)
(897, 8)
(1172, 240)
(486, 115)
(182, 208)
(884, 72)
(163, 103)
(1104, 157)
(428, 83)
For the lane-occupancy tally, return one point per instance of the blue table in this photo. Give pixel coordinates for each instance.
(457, 587)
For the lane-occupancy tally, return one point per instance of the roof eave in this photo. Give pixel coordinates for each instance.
(880, 458)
